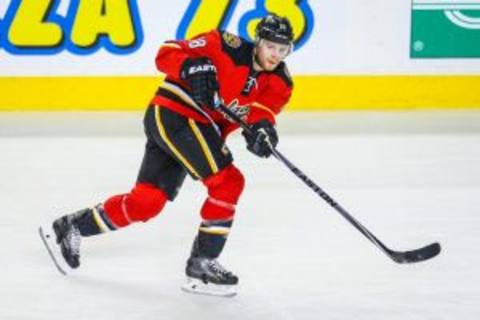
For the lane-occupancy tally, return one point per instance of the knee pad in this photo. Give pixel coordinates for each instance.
(142, 203)
(224, 190)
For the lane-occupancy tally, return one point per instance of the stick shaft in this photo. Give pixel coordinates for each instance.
(312, 185)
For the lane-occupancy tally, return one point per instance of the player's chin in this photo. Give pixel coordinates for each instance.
(270, 66)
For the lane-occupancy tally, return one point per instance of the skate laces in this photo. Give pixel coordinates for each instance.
(218, 268)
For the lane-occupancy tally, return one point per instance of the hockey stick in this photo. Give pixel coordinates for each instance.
(412, 256)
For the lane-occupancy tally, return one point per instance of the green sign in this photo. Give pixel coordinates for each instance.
(445, 29)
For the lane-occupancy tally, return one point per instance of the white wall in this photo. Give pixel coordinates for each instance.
(349, 37)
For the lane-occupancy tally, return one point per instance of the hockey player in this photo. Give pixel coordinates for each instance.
(186, 134)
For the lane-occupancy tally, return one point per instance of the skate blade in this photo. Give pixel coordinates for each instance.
(197, 286)
(48, 238)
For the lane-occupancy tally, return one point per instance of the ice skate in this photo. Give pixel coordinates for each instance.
(62, 241)
(209, 277)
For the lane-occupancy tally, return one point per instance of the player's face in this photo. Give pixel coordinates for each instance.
(270, 54)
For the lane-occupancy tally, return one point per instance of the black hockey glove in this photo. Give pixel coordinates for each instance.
(201, 76)
(262, 138)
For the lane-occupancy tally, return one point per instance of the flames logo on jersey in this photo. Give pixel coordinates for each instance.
(232, 40)
(239, 110)
(250, 84)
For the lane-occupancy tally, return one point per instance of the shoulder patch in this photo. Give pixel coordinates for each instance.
(231, 40)
(237, 48)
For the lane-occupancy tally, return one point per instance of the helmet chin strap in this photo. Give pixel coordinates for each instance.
(257, 61)
(255, 55)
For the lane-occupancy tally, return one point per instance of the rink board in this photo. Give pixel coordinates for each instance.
(330, 92)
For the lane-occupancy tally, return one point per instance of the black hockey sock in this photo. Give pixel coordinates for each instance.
(93, 221)
(211, 238)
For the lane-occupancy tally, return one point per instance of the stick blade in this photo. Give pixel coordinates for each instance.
(417, 255)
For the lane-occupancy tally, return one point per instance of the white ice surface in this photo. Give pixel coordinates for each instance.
(411, 178)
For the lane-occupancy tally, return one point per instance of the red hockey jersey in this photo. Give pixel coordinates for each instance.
(252, 95)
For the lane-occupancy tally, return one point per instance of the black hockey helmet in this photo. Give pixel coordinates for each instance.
(274, 28)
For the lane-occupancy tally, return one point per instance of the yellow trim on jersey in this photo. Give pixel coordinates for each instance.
(99, 221)
(223, 231)
(171, 146)
(172, 45)
(181, 94)
(205, 148)
(264, 108)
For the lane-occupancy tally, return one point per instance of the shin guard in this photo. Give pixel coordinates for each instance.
(224, 190)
